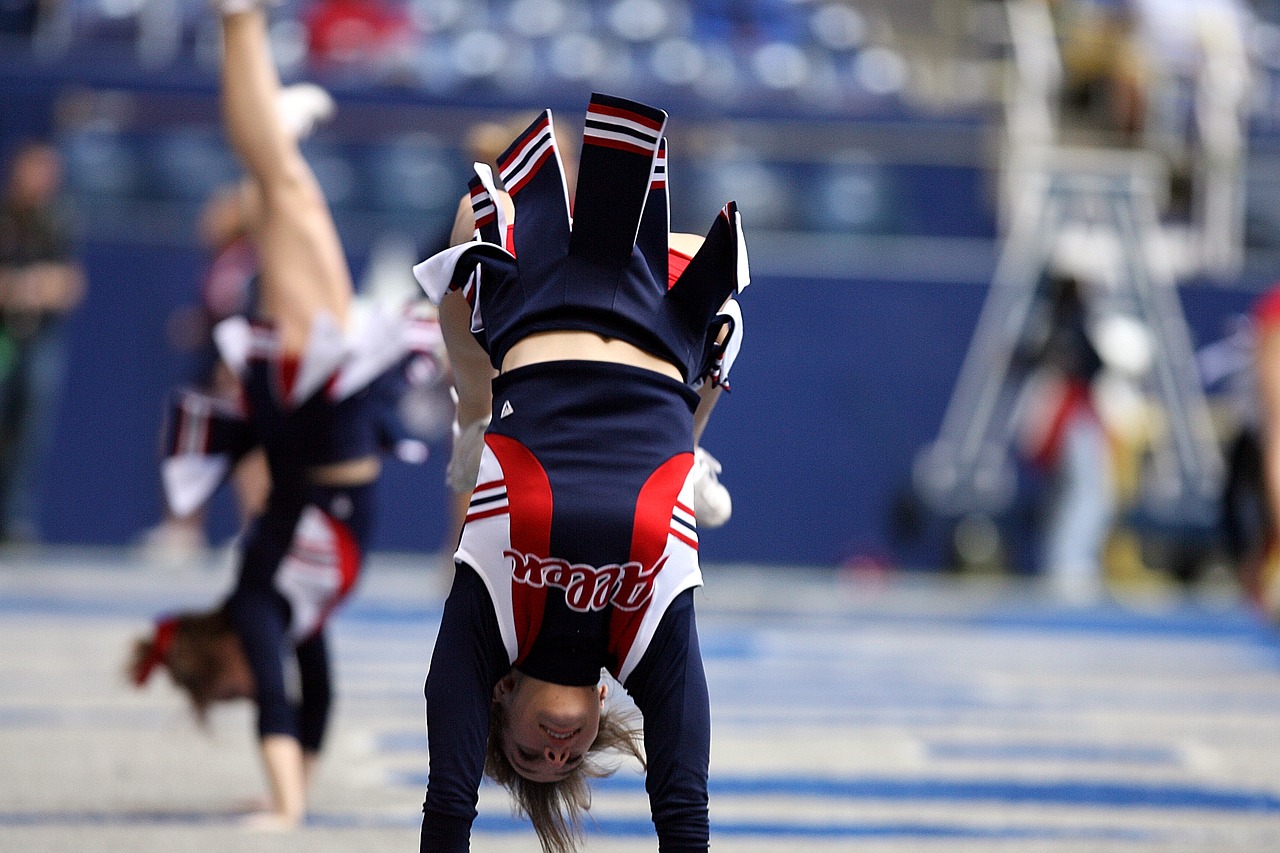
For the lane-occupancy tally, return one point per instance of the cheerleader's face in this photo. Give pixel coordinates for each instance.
(549, 727)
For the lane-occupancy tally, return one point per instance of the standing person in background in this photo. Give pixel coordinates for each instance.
(1063, 435)
(1229, 368)
(41, 282)
(1263, 580)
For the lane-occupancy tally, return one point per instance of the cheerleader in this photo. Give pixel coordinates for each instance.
(581, 342)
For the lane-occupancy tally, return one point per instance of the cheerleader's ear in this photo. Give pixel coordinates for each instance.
(505, 687)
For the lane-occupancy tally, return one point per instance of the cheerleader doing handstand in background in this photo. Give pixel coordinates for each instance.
(311, 369)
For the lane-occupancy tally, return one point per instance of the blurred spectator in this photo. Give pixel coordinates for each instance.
(1177, 39)
(1063, 435)
(1228, 368)
(40, 283)
(748, 22)
(1105, 82)
(1264, 581)
(358, 34)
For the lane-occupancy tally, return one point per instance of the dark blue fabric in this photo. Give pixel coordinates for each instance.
(317, 432)
(468, 660)
(599, 430)
(669, 687)
(596, 280)
(260, 614)
(223, 429)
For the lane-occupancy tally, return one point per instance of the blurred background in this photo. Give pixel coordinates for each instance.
(918, 179)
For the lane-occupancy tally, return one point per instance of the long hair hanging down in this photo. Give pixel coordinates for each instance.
(189, 646)
(557, 809)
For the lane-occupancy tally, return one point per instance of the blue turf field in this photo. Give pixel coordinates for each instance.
(909, 714)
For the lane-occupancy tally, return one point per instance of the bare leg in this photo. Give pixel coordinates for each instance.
(472, 383)
(287, 774)
(708, 396)
(304, 271)
(304, 276)
(252, 481)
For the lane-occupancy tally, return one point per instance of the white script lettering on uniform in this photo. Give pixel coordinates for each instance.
(627, 586)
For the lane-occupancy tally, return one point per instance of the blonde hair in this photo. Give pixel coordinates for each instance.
(556, 809)
(194, 654)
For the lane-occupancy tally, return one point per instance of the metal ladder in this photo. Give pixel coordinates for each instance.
(969, 469)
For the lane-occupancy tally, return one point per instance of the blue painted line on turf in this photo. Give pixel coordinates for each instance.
(1184, 620)
(1181, 621)
(20, 605)
(1082, 753)
(387, 613)
(132, 606)
(643, 828)
(1073, 792)
(145, 817)
(598, 825)
(403, 741)
(1059, 752)
(14, 718)
(1093, 793)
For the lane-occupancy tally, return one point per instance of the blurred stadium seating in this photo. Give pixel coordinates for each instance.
(861, 138)
(763, 92)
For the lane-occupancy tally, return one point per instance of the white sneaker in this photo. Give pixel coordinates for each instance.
(303, 107)
(711, 501)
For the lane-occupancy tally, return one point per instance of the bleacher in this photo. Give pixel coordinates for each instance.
(861, 139)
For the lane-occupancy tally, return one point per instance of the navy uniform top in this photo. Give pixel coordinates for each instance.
(586, 470)
(603, 268)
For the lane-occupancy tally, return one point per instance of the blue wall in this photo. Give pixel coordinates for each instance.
(838, 386)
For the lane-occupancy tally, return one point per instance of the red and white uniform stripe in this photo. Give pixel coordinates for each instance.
(507, 543)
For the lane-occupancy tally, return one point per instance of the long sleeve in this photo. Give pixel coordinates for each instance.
(315, 683)
(468, 660)
(669, 687)
(261, 622)
(260, 615)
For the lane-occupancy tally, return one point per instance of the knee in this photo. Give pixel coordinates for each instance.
(293, 188)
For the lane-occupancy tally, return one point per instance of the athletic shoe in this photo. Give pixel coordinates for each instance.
(711, 501)
(303, 107)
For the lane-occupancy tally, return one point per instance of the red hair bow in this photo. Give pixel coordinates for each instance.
(160, 645)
